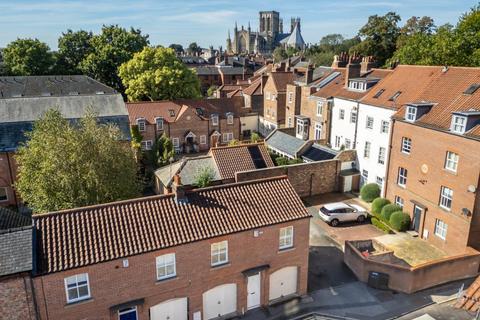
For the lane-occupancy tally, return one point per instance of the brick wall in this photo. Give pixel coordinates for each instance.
(293, 106)
(16, 300)
(7, 175)
(307, 179)
(309, 109)
(111, 284)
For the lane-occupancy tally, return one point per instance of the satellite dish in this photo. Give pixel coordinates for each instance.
(424, 168)
(471, 188)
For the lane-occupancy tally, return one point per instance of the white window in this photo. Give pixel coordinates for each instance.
(399, 201)
(451, 161)
(411, 114)
(289, 122)
(203, 139)
(337, 141)
(219, 253)
(459, 124)
(301, 127)
(353, 117)
(230, 119)
(406, 145)
(159, 123)
(369, 124)
(446, 196)
(286, 238)
(381, 155)
(146, 145)
(176, 143)
(384, 127)
(274, 97)
(365, 174)
(318, 131)
(319, 108)
(402, 176)
(441, 229)
(379, 181)
(341, 115)
(3, 194)
(366, 150)
(141, 125)
(166, 266)
(227, 137)
(128, 314)
(77, 287)
(348, 144)
(290, 97)
(215, 120)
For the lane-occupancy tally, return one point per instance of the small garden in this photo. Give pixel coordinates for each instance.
(385, 215)
(283, 161)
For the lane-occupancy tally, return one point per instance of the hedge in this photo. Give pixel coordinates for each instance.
(388, 210)
(378, 204)
(380, 225)
(370, 191)
(400, 221)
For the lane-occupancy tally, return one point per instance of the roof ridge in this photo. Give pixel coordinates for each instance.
(237, 146)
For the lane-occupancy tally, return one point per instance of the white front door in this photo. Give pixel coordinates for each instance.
(175, 309)
(347, 187)
(283, 282)
(220, 301)
(253, 291)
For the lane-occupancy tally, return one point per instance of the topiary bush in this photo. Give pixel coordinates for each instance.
(387, 211)
(400, 221)
(378, 204)
(370, 191)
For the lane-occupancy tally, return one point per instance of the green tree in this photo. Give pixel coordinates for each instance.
(204, 177)
(56, 172)
(379, 37)
(467, 34)
(27, 57)
(321, 54)
(177, 47)
(157, 74)
(255, 137)
(136, 141)
(73, 48)
(211, 90)
(162, 151)
(279, 54)
(193, 48)
(111, 48)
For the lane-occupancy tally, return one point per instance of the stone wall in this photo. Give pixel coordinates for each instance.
(308, 179)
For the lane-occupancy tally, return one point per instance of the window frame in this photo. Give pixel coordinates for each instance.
(411, 114)
(368, 121)
(406, 144)
(318, 129)
(377, 179)
(348, 144)
(441, 229)
(143, 127)
(230, 119)
(454, 125)
(446, 199)
(341, 114)
(218, 253)
(384, 126)
(402, 177)
(367, 149)
(452, 161)
(203, 139)
(148, 145)
(353, 116)
(382, 156)
(125, 311)
(88, 296)
(165, 266)
(215, 120)
(319, 108)
(399, 201)
(176, 145)
(284, 237)
(159, 120)
(6, 194)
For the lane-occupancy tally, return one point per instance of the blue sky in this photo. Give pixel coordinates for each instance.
(205, 21)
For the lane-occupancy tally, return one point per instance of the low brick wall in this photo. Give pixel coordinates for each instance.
(308, 179)
(412, 279)
(16, 298)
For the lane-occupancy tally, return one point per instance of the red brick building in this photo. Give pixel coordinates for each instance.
(434, 168)
(200, 254)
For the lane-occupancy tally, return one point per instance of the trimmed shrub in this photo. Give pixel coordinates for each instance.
(380, 225)
(281, 161)
(378, 204)
(388, 210)
(370, 192)
(400, 221)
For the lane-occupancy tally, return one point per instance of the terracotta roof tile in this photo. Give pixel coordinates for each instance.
(84, 236)
(281, 79)
(254, 89)
(233, 159)
(471, 298)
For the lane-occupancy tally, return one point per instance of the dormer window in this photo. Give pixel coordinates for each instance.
(357, 85)
(141, 124)
(215, 119)
(229, 118)
(411, 114)
(159, 123)
(459, 124)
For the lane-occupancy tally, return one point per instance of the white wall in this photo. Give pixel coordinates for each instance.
(250, 122)
(344, 129)
(377, 140)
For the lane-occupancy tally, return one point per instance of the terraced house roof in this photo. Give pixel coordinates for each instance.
(84, 236)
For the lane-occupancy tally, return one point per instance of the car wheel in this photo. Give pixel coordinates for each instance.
(361, 219)
(334, 222)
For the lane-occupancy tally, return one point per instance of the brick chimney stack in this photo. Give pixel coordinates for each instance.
(309, 74)
(353, 69)
(367, 64)
(179, 190)
(340, 61)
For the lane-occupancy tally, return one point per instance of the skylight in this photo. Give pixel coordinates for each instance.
(472, 88)
(379, 93)
(395, 96)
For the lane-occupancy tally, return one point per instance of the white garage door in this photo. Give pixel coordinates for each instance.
(283, 282)
(220, 301)
(175, 309)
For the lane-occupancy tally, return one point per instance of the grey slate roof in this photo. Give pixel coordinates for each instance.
(10, 219)
(284, 142)
(18, 113)
(16, 252)
(187, 169)
(318, 153)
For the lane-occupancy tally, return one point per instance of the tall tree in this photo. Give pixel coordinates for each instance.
(177, 47)
(73, 48)
(193, 48)
(279, 54)
(56, 172)
(467, 35)
(27, 57)
(111, 48)
(322, 53)
(157, 74)
(379, 37)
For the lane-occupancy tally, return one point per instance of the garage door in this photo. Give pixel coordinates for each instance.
(283, 282)
(220, 301)
(175, 309)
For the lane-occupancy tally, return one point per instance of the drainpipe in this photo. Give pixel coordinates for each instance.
(356, 126)
(12, 182)
(385, 183)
